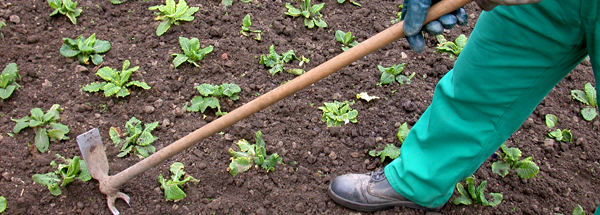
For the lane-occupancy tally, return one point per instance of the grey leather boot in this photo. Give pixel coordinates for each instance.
(369, 193)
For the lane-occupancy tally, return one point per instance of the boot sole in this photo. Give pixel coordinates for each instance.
(376, 207)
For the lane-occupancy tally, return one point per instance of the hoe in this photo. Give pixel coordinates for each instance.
(93, 151)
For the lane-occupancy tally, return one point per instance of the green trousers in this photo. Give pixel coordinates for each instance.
(513, 59)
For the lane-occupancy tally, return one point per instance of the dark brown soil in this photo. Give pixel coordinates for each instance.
(313, 153)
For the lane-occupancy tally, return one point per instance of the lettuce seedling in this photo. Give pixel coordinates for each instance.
(85, 48)
(453, 48)
(337, 113)
(390, 151)
(351, 1)
(209, 96)
(246, 23)
(276, 62)
(588, 97)
(191, 52)
(66, 173)
(116, 81)
(346, 39)
(509, 160)
(563, 135)
(172, 13)
(45, 126)
(402, 132)
(475, 195)
(311, 14)
(366, 97)
(172, 187)
(8, 83)
(3, 204)
(65, 7)
(138, 140)
(551, 120)
(394, 73)
(252, 154)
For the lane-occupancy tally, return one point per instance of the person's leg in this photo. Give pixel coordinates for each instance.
(513, 59)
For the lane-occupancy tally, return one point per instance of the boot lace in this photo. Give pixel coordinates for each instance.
(378, 175)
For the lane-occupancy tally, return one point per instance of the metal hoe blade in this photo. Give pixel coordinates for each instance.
(93, 152)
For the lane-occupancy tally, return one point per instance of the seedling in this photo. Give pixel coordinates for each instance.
(2, 24)
(346, 39)
(398, 15)
(172, 13)
(172, 187)
(116, 2)
(85, 48)
(551, 120)
(138, 140)
(3, 204)
(351, 1)
(366, 97)
(276, 62)
(390, 151)
(191, 52)
(588, 97)
(311, 14)
(402, 132)
(453, 48)
(252, 154)
(209, 96)
(577, 211)
(394, 73)
(246, 23)
(45, 126)
(8, 83)
(116, 81)
(475, 195)
(227, 3)
(558, 134)
(509, 160)
(337, 113)
(65, 7)
(66, 173)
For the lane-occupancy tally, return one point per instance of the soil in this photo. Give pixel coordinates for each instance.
(313, 153)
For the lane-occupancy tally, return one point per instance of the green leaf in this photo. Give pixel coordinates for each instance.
(339, 36)
(97, 59)
(551, 120)
(366, 97)
(110, 89)
(246, 22)
(42, 141)
(239, 164)
(580, 96)
(501, 168)
(101, 46)
(94, 87)
(207, 89)
(163, 27)
(390, 151)
(496, 199)
(201, 103)
(37, 114)
(179, 59)
(590, 93)
(50, 180)
(21, 124)
(512, 153)
(114, 136)
(56, 134)
(589, 113)
(3, 204)
(577, 211)
(526, 168)
(402, 132)
(230, 90)
(143, 85)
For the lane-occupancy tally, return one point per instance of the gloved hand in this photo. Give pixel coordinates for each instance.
(414, 13)
(488, 5)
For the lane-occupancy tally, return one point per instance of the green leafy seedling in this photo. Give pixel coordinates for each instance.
(312, 15)
(578, 210)
(138, 140)
(351, 1)
(172, 187)
(346, 39)
(563, 135)
(45, 126)
(65, 7)
(191, 52)
(252, 155)
(209, 97)
(246, 23)
(227, 3)
(116, 82)
(453, 48)
(276, 62)
(475, 194)
(172, 14)
(85, 48)
(3, 204)
(588, 97)
(398, 15)
(390, 151)
(366, 97)
(2, 24)
(8, 83)
(394, 73)
(551, 120)
(66, 173)
(337, 113)
(509, 160)
(402, 132)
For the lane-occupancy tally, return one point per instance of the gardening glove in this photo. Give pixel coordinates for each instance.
(414, 13)
(488, 5)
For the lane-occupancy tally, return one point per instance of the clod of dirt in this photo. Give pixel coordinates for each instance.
(78, 68)
(14, 19)
(224, 56)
